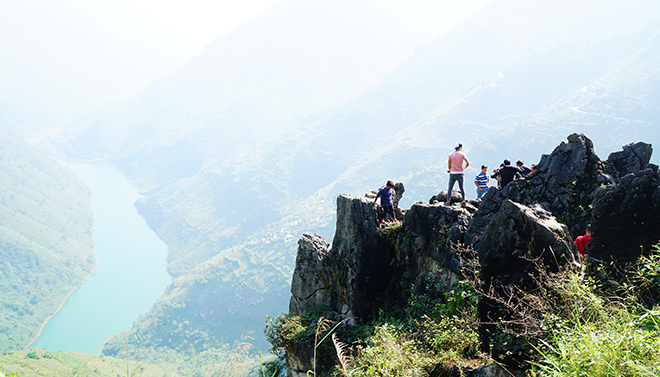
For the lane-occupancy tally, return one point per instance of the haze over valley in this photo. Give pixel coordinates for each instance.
(243, 141)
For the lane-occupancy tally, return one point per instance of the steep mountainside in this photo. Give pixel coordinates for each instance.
(233, 169)
(184, 136)
(46, 245)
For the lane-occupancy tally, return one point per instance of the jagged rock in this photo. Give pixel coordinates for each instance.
(519, 230)
(359, 264)
(306, 289)
(626, 217)
(516, 234)
(434, 228)
(564, 184)
(632, 159)
(456, 197)
(507, 228)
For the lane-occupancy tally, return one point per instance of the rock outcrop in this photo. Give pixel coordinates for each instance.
(626, 217)
(534, 218)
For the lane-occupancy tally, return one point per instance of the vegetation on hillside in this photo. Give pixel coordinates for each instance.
(46, 245)
(43, 363)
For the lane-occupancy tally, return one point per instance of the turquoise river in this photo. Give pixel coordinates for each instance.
(129, 275)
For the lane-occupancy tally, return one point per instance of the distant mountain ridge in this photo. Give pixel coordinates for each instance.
(227, 190)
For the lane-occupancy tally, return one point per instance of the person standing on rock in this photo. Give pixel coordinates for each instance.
(456, 170)
(385, 195)
(582, 241)
(481, 181)
(507, 173)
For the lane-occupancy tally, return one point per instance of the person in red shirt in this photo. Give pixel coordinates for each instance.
(582, 241)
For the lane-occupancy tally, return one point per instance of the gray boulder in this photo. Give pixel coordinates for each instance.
(433, 229)
(519, 232)
(626, 217)
(441, 197)
(307, 291)
(564, 184)
(632, 159)
(516, 235)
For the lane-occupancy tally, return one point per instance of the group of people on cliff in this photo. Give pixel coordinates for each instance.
(457, 162)
(505, 174)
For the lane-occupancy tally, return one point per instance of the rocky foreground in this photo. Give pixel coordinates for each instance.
(534, 218)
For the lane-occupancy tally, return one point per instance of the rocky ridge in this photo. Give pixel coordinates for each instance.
(534, 218)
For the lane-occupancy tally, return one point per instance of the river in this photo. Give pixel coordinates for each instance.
(129, 275)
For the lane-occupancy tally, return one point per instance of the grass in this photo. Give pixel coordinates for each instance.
(42, 363)
(605, 334)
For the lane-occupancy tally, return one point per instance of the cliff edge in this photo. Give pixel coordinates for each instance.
(370, 267)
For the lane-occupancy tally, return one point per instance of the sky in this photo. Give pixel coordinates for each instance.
(194, 23)
(64, 59)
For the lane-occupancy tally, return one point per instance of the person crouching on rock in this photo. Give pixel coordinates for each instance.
(385, 195)
(582, 241)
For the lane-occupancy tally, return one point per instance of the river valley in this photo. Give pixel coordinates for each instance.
(129, 275)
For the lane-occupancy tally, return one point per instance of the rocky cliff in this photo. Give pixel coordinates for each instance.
(536, 218)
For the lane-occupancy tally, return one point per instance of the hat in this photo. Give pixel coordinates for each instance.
(458, 146)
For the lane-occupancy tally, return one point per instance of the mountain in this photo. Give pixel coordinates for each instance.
(449, 280)
(234, 97)
(46, 244)
(232, 170)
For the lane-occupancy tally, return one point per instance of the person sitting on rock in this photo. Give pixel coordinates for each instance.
(481, 181)
(385, 195)
(507, 173)
(533, 168)
(456, 170)
(582, 241)
(525, 170)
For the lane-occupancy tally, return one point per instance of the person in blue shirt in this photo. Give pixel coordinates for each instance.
(481, 181)
(385, 195)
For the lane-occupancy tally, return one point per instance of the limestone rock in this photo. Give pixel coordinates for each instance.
(306, 290)
(456, 197)
(516, 234)
(434, 228)
(564, 184)
(626, 217)
(519, 230)
(632, 159)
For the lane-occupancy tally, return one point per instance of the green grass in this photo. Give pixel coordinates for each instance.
(613, 345)
(42, 363)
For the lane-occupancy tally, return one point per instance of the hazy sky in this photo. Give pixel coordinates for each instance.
(195, 22)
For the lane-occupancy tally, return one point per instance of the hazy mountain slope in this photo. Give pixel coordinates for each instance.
(187, 137)
(46, 245)
(507, 104)
(605, 88)
(432, 81)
